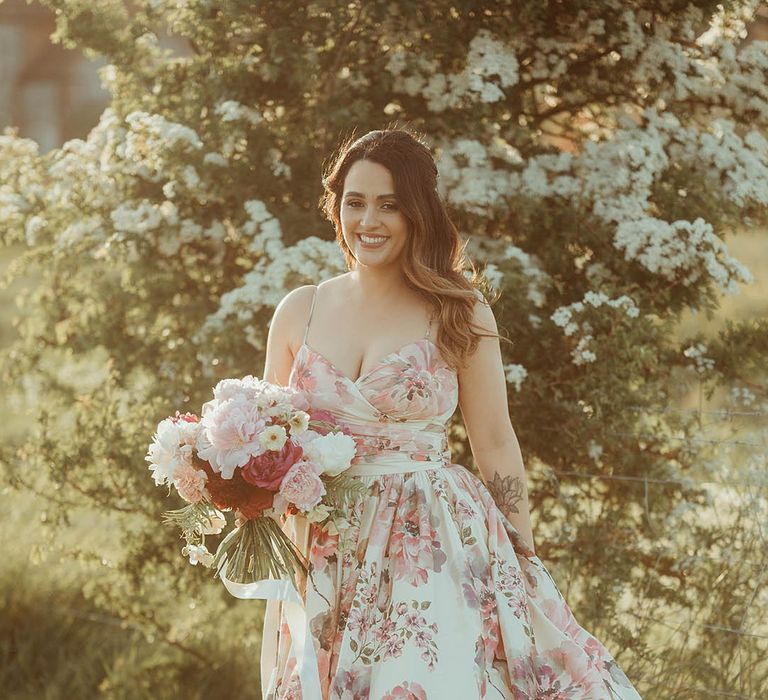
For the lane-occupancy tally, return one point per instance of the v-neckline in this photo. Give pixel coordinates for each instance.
(377, 365)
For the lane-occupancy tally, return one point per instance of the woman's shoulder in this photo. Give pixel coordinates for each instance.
(299, 298)
(482, 313)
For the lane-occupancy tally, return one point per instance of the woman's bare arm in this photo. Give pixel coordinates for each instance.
(485, 410)
(286, 330)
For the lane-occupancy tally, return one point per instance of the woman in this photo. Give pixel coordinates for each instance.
(434, 590)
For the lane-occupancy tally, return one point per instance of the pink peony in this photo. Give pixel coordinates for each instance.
(268, 469)
(190, 483)
(302, 486)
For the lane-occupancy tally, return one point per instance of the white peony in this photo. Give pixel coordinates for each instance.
(332, 453)
(171, 447)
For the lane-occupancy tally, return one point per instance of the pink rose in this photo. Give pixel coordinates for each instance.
(268, 469)
(302, 486)
(190, 483)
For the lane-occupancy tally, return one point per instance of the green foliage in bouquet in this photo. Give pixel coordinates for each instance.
(241, 560)
(596, 155)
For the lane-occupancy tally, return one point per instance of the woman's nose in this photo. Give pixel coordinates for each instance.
(370, 216)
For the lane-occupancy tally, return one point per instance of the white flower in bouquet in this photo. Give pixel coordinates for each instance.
(332, 453)
(217, 523)
(274, 437)
(247, 387)
(230, 435)
(198, 554)
(298, 422)
(305, 437)
(171, 447)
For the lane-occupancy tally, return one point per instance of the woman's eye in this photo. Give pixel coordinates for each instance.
(391, 205)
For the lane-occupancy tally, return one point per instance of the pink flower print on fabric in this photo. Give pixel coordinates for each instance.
(408, 690)
(304, 377)
(353, 684)
(381, 636)
(577, 665)
(509, 583)
(414, 548)
(480, 595)
(324, 549)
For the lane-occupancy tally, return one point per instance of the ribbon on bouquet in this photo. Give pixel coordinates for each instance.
(273, 591)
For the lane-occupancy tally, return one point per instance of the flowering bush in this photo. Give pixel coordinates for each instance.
(594, 155)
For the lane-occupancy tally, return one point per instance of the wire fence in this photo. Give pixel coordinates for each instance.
(756, 443)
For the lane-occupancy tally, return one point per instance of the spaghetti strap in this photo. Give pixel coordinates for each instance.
(429, 323)
(311, 309)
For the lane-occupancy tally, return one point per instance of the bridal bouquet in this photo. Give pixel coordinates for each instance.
(260, 451)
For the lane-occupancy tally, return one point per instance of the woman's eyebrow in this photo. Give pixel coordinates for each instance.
(360, 194)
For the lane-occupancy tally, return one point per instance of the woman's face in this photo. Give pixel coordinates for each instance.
(369, 207)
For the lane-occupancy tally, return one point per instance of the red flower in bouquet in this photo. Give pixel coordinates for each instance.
(237, 493)
(268, 469)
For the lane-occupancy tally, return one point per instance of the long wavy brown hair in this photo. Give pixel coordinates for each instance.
(434, 260)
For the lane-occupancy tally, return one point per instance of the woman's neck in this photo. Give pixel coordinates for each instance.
(378, 283)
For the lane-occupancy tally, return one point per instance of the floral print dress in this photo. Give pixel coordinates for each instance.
(430, 593)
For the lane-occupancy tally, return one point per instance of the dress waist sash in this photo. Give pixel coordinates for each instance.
(395, 463)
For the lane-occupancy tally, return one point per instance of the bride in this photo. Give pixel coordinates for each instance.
(434, 591)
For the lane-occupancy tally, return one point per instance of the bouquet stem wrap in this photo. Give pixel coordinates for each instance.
(274, 591)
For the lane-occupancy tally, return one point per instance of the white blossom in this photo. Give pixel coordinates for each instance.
(232, 111)
(515, 374)
(697, 353)
(743, 396)
(682, 251)
(490, 67)
(595, 451)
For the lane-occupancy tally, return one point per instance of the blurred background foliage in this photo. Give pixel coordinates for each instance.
(142, 264)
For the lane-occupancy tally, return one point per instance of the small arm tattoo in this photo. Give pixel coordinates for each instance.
(507, 492)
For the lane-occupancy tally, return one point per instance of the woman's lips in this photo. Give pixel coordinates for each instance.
(379, 244)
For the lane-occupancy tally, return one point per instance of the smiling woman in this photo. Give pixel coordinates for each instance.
(371, 221)
(430, 587)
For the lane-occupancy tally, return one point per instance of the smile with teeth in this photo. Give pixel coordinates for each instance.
(372, 239)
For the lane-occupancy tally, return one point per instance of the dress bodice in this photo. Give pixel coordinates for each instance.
(396, 412)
